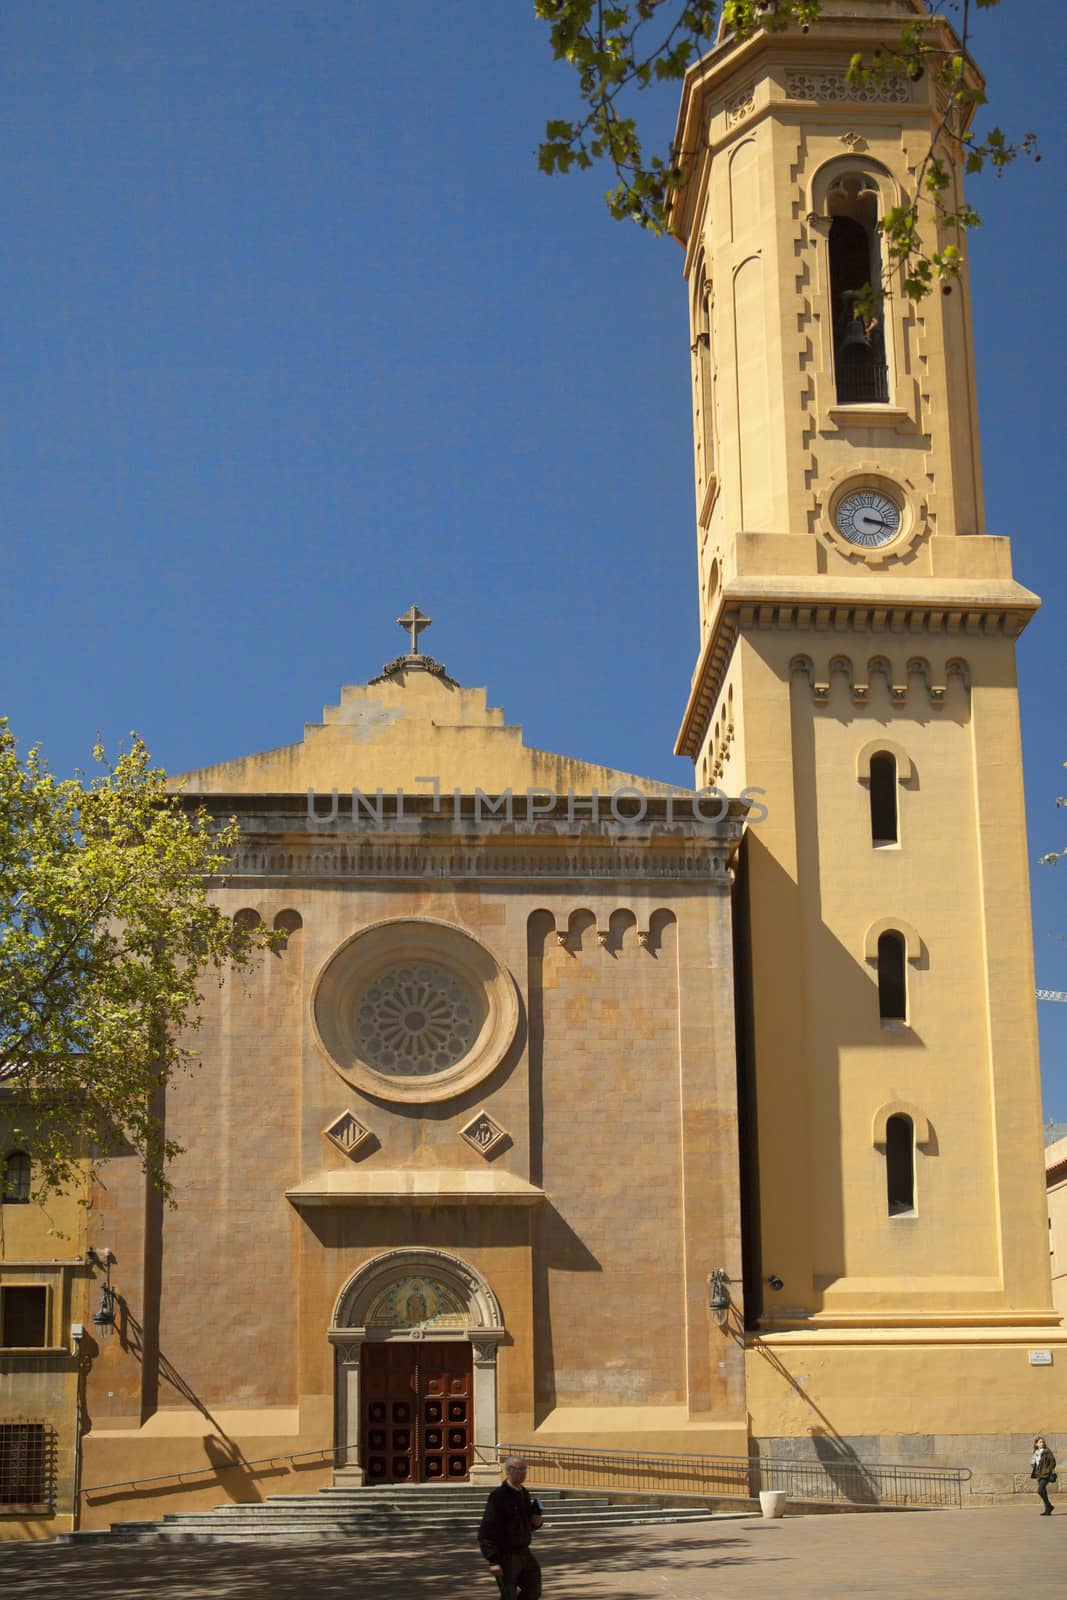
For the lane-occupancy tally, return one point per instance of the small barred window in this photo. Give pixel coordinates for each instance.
(17, 1178)
(25, 1464)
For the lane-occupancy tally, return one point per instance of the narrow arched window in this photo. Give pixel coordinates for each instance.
(900, 1165)
(892, 980)
(856, 297)
(703, 378)
(884, 799)
(16, 1190)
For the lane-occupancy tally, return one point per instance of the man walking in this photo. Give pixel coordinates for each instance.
(511, 1516)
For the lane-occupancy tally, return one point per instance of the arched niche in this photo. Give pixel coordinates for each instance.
(364, 1289)
(850, 195)
(703, 372)
(469, 1310)
(833, 173)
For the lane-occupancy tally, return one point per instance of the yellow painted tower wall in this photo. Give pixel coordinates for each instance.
(908, 1332)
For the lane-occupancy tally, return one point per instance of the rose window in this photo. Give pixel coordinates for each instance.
(414, 1009)
(415, 1019)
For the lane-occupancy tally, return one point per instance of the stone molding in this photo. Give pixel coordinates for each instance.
(486, 1344)
(377, 950)
(610, 930)
(894, 618)
(833, 85)
(484, 1134)
(367, 1283)
(880, 672)
(913, 944)
(875, 747)
(372, 1185)
(740, 105)
(562, 838)
(348, 858)
(899, 1108)
(347, 1133)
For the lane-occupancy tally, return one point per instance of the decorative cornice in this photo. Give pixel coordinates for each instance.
(980, 1326)
(375, 859)
(951, 616)
(833, 84)
(681, 837)
(708, 679)
(880, 675)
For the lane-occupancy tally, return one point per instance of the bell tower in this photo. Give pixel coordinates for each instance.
(856, 662)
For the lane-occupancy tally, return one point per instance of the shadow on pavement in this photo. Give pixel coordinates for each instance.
(346, 1571)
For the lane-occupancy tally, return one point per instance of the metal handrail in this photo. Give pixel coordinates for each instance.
(735, 1477)
(844, 1480)
(210, 1468)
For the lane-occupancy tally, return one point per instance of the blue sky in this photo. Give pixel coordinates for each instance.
(295, 334)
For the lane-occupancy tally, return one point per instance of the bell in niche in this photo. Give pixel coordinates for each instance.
(854, 337)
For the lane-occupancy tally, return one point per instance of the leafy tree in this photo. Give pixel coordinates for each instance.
(106, 932)
(616, 48)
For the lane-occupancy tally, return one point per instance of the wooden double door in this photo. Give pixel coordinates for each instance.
(417, 1404)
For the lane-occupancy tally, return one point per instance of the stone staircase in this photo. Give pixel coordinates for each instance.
(445, 1516)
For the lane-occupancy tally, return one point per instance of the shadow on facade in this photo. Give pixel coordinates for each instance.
(838, 1458)
(557, 1248)
(224, 1456)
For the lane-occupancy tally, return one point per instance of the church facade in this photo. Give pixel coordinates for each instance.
(577, 1110)
(467, 1144)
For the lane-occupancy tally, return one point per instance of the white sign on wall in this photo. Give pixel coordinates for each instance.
(1041, 1358)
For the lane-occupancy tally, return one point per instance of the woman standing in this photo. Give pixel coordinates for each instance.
(1043, 1468)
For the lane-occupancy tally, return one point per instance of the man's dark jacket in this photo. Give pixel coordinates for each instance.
(507, 1524)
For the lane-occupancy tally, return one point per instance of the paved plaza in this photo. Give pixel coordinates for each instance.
(992, 1554)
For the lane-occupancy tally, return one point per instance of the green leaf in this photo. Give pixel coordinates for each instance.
(108, 930)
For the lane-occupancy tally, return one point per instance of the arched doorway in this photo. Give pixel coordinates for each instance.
(416, 1334)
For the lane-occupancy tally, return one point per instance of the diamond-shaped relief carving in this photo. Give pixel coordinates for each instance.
(483, 1134)
(347, 1133)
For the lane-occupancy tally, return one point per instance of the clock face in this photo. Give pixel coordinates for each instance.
(867, 517)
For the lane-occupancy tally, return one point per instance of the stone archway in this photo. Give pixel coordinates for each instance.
(409, 1295)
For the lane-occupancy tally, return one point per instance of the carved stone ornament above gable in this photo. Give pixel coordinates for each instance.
(414, 622)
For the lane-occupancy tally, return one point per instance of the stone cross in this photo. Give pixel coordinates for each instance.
(414, 622)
